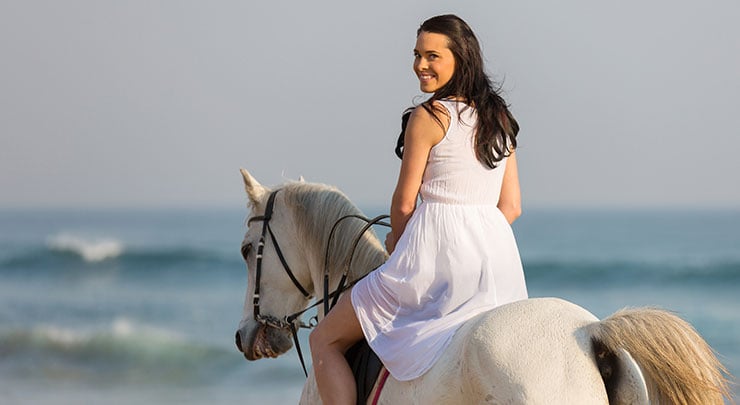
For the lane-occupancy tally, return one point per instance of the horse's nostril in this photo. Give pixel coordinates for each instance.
(239, 342)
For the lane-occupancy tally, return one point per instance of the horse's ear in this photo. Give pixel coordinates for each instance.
(255, 191)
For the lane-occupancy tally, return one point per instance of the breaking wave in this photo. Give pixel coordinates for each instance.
(123, 351)
(68, 252)
(90, 250)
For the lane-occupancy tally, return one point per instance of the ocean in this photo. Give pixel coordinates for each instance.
(141, 306)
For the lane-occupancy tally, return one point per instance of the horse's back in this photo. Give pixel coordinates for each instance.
(532, 351)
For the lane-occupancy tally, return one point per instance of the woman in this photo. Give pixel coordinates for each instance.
(453, 256)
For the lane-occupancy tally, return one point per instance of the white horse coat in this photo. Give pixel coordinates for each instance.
(535, 351)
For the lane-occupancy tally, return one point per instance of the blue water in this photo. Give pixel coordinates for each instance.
(141, 306)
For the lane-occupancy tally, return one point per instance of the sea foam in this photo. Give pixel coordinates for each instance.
(122, 351)
(121, 335)
(91, 250)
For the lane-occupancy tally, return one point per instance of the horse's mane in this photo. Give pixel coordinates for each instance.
(316, 207)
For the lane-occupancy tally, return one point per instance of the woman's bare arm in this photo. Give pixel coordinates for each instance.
(510, 200)
(422, 133)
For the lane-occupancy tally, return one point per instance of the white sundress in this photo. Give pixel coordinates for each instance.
(456, 258)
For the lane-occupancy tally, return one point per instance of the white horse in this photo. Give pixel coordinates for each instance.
(536, 351)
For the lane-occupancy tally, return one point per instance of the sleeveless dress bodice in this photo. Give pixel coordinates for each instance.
(456, 258)
(453, 174)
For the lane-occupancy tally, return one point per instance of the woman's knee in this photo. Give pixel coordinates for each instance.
(321, 337)
(315, 338)
(325, 338)
(339, 330)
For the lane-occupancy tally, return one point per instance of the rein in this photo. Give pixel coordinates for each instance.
(289, 321)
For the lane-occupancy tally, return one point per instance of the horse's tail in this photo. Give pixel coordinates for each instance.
(678, 365)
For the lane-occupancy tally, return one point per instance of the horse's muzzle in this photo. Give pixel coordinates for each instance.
(258, 341)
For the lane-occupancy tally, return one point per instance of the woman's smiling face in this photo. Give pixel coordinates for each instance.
(434, 63)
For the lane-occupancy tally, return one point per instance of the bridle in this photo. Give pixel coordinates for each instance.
(289, 321)
(269, 319)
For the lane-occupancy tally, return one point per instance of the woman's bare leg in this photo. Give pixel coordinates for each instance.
(336, 333)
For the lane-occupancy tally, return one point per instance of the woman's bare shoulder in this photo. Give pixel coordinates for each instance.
(426, 117)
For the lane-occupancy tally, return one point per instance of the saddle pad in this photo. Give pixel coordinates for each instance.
(365, 366)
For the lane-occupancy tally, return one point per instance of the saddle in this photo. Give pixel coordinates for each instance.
(366, 367)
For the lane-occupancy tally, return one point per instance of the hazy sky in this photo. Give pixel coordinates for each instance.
(158, 103)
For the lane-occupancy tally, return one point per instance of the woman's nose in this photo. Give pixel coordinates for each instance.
(421, 64)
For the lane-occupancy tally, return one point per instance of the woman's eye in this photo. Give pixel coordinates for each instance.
(432, 57)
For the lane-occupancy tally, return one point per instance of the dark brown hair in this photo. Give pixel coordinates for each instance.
(496, 130)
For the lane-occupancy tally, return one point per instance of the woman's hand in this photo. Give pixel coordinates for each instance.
(390, 242)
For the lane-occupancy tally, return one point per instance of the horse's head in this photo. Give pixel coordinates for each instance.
(262, 331)
(295, 225)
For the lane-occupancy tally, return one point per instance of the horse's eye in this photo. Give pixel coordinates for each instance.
(245, 250)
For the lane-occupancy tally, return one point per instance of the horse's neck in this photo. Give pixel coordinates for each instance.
(367, 257)
(370, 254)
(317, 210)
